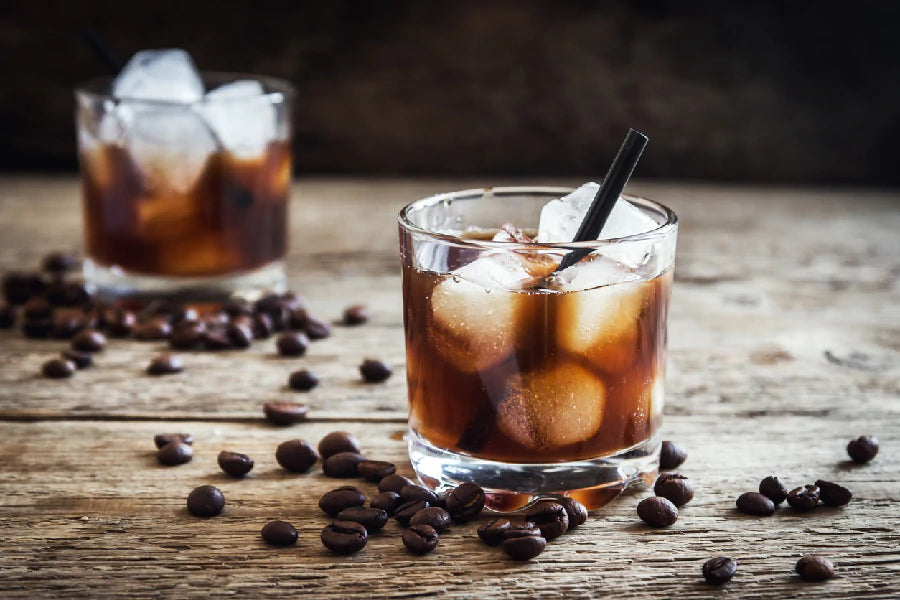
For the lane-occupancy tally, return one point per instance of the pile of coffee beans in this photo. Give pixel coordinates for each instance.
(804, 498)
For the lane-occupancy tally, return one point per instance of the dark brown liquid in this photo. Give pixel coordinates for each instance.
(535, 375)
(232, 219)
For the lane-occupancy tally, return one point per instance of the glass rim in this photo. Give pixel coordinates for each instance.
(99, 88)
(667, 227)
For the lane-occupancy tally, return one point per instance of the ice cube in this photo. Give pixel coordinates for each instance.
(165, 75)
(552, 407)
(241, 115)
(561, 218)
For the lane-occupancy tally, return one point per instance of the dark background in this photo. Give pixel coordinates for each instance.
(753, 91)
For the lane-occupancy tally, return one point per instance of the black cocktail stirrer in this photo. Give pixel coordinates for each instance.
(610, 189)
(102, 51)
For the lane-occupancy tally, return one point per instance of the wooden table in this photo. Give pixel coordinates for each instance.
(785, 344)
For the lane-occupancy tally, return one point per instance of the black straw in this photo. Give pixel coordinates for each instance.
(102, 51)
(610, 189)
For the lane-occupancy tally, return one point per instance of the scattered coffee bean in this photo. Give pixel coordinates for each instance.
(316, 329)
(671, 455)
(175, 453)
(523, 544)
(394, 483)
(577, 512)
(262, 327)
(657, 511)
(81, 360)
(491, 533)
(8, 314)
(465, 502)
(302, 380)
(58, 368)
(338, 441)
(418, 492)
(18, 287)
(373, 519)
(37, 328)
(187, 336)
(183, 314)
(59, 262)
(773, 489)
(407, 510)
(279, 533)
(754, 503)
(296, 456)
(550, 517)
(88, 340)
(165, 364)
(375, 371)
(814, 568)
(74, 293)
(386, 501)
(338, 499)
(161, 439)
(234, 463)
(435, 516)
(344, 537)
(804, 498)
(863, 449)
(719, 570)
(292, 343)
(356, 314)
(285, 413)
(833, 494)
(238, 308)
(37, 308)
(152, 330)
(120, 323)
(215, 340)
(420, 538)
(298, 318)
(68, 322)
(676, 487)
(375, 470)
(205, 501)
(342, 464)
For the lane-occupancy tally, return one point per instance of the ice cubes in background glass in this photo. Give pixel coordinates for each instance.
(160, 75)
(242, 116)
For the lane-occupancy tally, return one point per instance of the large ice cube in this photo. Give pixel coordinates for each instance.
(561, 218)
(166, 75)
(241, 115)
(552, 407)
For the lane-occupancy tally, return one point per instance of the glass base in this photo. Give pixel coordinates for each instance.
(512, 486)
(111, 283)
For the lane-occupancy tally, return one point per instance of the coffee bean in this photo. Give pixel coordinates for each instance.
(804, 498)
(183, 314)
(58, 368)
(465, 502)
(81, 360)
(205, 501)
(88, 340)
(175, 453)
(386, 501)
(234, 463)
(671, 455)
(833, 494)
(407, 510)
(165, 364)
(262, 327)
(657, 512)
(67, 322)
(161, 439)
(18, 287)
(37, 308)
(491, 533)
(524, 529)
(120, 323)
(296, 456)
(863, 449)
(338, 441)
(292, 343)
(74, 293)
(302, 380)
(393, 483)
(435, 516)
(238, 308)
(373, 519)
(418, 492)
(577, 512)
(675, 487)
(719, 570)
(773, 489)
(420, 538)
(279, 533)
(754, 503)
(37, 328)
(356, 314)
(152, 330)
(59, 262)
(316, 329)
(285, 413)
(375, 470)
(550, 517)
(338, 499)
(8, 315)
(298, 318)
(814, 568)
(375, 371)
(523, 547)
(342, 464)
(240, 336)
(344, 537)
(187, 335)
